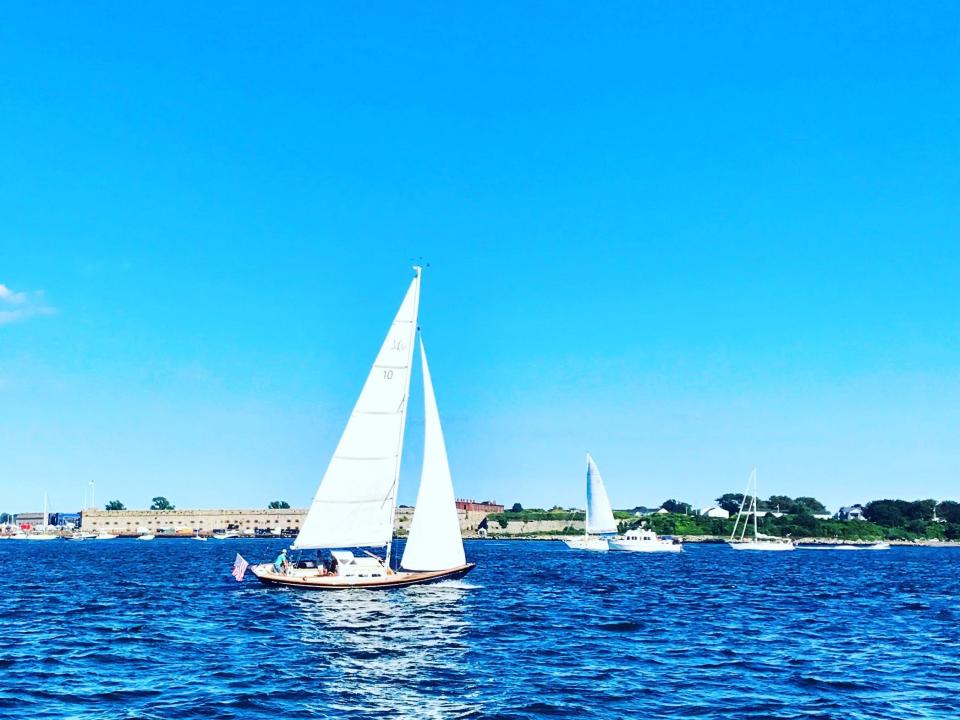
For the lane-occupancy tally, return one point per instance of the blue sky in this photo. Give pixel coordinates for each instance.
(689, 238)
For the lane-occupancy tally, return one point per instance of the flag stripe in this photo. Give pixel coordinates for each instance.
(239, 567)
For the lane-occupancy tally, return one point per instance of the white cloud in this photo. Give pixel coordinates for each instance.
(9, 296)
(22, 305)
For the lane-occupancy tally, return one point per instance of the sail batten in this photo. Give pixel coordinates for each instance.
(353, 506)
(434, 542)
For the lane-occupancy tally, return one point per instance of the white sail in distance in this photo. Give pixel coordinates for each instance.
(434, 542)
(354, 504)
(599, 514)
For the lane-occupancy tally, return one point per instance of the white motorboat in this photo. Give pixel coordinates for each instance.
(643, 540)
(759, 541)
(146, 536)
(225, 535)
(105, 535)
(599, 522)
(878, 546)
(355, 504)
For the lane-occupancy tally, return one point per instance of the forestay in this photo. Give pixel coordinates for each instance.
(434, 542)
(354, 504)
(599, 515)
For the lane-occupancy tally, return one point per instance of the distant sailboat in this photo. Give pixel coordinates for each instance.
(599, 522)
(354, 505)
(760, 541)
(43, 534)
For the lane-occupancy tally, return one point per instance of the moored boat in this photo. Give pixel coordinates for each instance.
(354, 505)
(759, 541)
(643, 540)
(599, 523)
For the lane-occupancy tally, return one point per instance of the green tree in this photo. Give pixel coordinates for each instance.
(5, 518)
(114, 505)
(279, 505)
(808, 505)
(730, 502)
(886, 512)
(161, 503)
(921, 509)
(675, 506)
(949, 510)
(517, 507)
(778, 503)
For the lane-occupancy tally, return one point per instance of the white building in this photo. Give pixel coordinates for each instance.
(715, 512)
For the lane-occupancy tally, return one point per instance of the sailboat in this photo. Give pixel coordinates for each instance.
(759, 541)
(43, 534)
(599, 522)
(354, 506)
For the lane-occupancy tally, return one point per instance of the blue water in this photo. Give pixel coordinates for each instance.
(123, 629)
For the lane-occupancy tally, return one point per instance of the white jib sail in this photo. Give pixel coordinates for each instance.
(599, 514)
(434, 542)
(354, 504)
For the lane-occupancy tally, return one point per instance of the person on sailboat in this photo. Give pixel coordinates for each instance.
(281, 563)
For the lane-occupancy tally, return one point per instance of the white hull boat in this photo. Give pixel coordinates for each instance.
(225, 536)
(643, 540)
(599, 522)
(147, 536)
(739, 540)
(762, 545)
(355, 504)
(40, 536)
(105, 536)
(596, 544)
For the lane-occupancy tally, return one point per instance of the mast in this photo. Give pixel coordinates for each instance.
(44, 512)
(586, 514)
(403, 425)
(755, 504)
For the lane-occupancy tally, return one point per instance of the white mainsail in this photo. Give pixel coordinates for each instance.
(434, 542)
(599, 514)
(354, 505)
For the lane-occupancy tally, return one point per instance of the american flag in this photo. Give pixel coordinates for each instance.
(239, 567)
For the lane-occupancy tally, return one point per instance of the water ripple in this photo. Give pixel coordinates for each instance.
(122, 629)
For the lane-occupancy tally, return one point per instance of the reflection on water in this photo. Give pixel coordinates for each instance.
(379, 646)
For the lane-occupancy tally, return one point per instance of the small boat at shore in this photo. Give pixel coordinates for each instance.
(599, 523)
(105, 535)
(759, 541)
(844, 546)
(354, 505)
